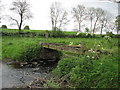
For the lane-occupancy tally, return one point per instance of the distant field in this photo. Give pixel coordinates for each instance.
(36, 31)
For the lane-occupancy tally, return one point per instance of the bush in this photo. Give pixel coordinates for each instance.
(4, 27)
(90, 73)
(110, 34)
(31, 52)
(87, 30)
(102, 73)
(117, 36)
(36, 53)
(81, 35)
(89, 35)
(64, 66)
(56, 32)
(27, 27)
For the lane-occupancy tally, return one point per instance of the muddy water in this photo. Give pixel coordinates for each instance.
(21, 77)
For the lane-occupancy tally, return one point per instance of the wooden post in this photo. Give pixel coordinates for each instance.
(46, 34)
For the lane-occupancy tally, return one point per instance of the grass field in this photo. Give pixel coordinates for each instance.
(0, 48)
(36, 31)
(13, 45)
(89, 70)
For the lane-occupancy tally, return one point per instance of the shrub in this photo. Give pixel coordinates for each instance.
(85, 35)
(82, 35)
(89, 35)
(27, 27)
(87, 30)
(110, 34)
(4, 27)
(100, 73)
(90, 73)
(36, 53)
(56, 32)
(31, 52)
(117, 36)
(64, 66)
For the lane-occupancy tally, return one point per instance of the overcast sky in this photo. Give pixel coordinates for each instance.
(41, 9)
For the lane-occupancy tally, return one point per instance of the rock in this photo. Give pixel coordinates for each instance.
(37, 83)
(35, 63)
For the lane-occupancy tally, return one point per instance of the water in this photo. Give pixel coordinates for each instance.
(21, 77)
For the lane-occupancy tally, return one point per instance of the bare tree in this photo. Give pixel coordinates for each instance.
(98, 19)
(111, 26)
(117, 23)
(91, 14)
(97, 15)
(79, 15)
(63, 20)
(22, 9)
(58, 15)
(104, 21)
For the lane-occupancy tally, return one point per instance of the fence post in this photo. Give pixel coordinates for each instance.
(46, 34)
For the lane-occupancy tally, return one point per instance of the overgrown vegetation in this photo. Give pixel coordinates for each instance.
(85, 72)
(27, 49)
(97, 67)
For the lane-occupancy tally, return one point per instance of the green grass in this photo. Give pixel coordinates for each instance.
(9, 30)
(36, 31)
(82, 71)
(13, 45)
(0, 48)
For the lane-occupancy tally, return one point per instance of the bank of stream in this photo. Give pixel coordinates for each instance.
(32, 63)
(22, 77)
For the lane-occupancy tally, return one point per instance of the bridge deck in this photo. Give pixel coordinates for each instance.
(63, 47)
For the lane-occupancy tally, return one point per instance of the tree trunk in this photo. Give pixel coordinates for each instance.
(118, 29)
(79, 27)
(95, 25)
(101, 29)
(46, 34)
(20, 23)
(55, 26)
(52, 24)
(20, 29)
(101, 32)
(91, 25)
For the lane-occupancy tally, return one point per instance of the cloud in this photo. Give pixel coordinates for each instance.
(40, 10)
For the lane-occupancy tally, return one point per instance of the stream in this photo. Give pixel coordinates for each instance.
(21, 77)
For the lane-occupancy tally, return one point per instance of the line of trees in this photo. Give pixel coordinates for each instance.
(97, 18)
(94, 19)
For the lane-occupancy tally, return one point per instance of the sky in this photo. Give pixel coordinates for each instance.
(41, 11)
